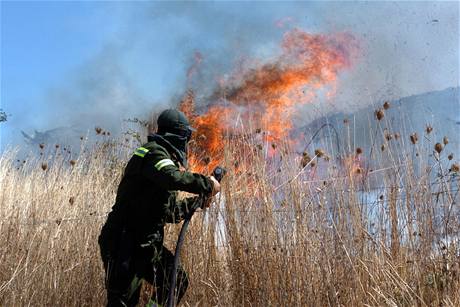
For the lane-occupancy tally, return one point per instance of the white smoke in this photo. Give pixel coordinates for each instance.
(408, 48)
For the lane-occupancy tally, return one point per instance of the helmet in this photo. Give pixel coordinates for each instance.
(175, 122)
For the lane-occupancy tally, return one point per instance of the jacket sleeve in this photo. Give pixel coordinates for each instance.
(178, 209)
(160, 169)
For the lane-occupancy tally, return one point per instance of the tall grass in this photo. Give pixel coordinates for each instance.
(369, 227)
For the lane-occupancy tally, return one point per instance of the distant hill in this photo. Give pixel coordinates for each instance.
(438, 109)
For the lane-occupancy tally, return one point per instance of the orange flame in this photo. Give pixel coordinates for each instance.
(266, 96)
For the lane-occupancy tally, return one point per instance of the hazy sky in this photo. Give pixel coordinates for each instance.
(96, 63)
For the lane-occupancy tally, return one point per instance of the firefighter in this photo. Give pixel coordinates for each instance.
(131, 240)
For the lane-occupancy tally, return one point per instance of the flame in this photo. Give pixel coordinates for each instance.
(265, 96)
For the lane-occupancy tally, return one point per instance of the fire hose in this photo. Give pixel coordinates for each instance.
(218, 173)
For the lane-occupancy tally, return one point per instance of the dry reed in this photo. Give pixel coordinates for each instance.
(281, 233)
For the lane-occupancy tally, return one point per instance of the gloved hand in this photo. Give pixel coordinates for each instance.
(215, 190)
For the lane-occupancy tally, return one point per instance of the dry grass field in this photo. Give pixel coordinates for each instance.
(315, 229)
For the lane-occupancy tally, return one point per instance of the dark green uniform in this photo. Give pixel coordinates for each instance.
(131, 241)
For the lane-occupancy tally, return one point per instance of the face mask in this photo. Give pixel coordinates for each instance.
(173, 143)
(179, 142)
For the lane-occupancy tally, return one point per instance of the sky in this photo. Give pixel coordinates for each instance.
(85, 64)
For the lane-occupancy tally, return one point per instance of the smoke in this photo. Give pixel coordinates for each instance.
(264, 96)
(161, 49)
(409, 48)
(99, 94)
